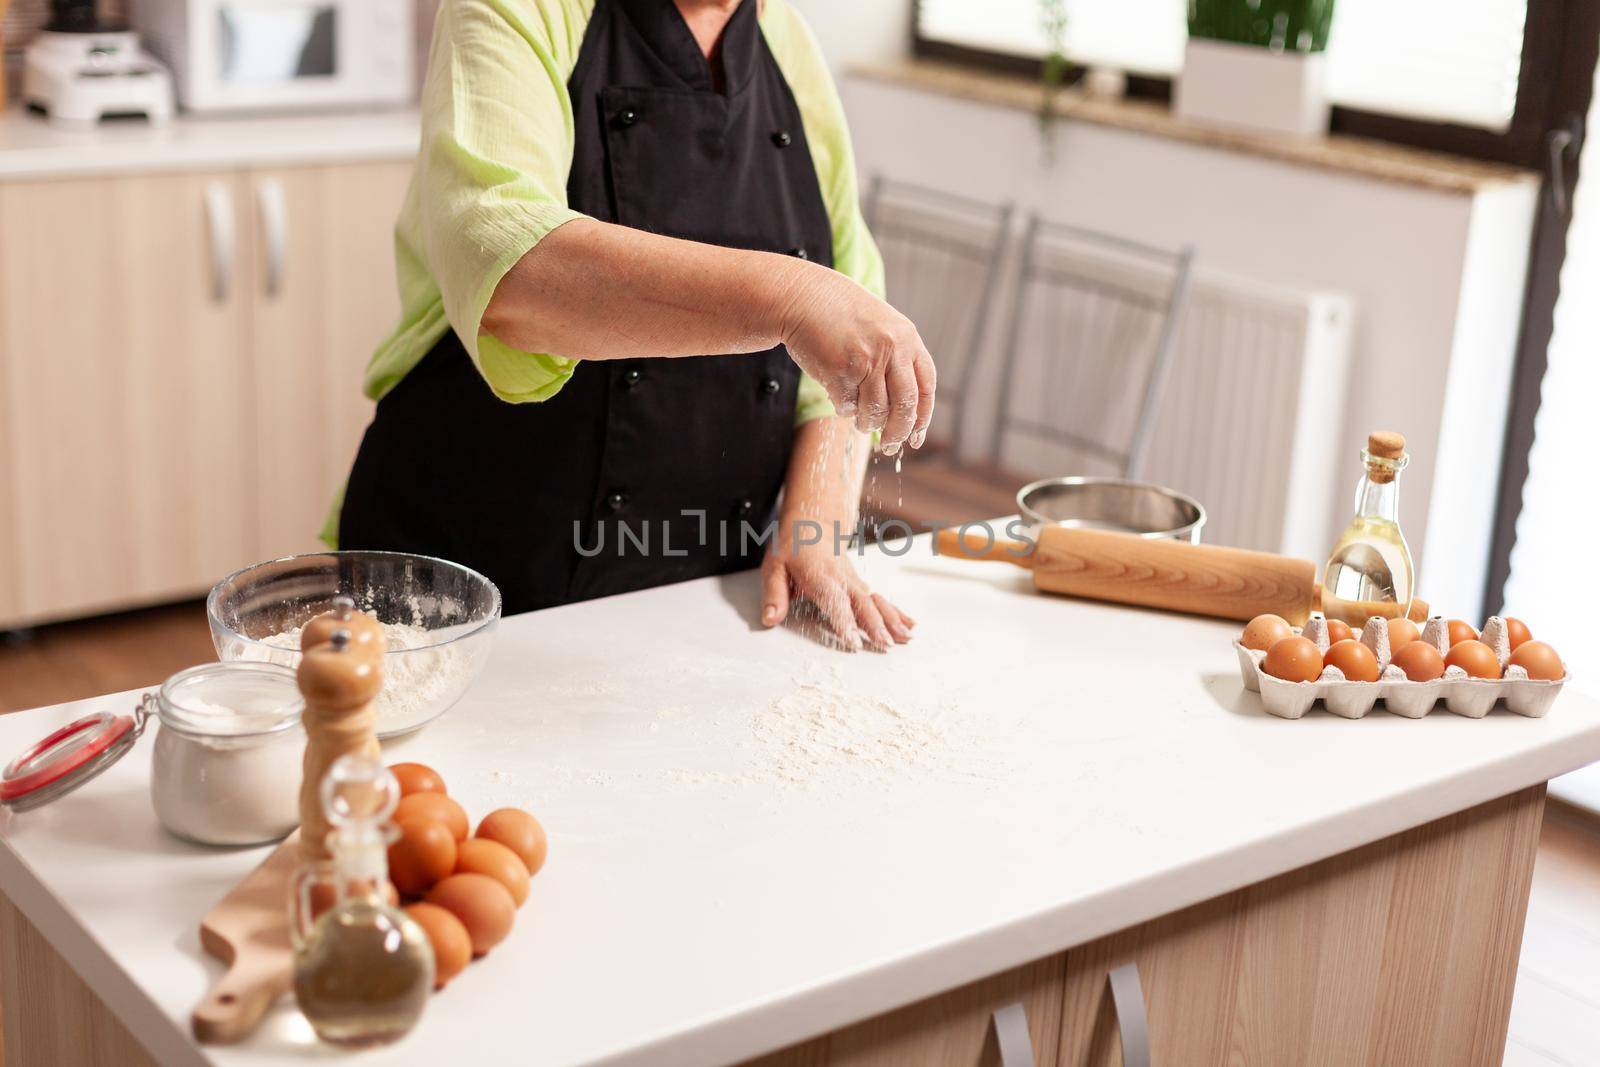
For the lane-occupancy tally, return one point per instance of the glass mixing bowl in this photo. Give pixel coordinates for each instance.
(440, 618)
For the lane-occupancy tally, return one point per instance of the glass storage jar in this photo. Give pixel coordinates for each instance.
(226, 768)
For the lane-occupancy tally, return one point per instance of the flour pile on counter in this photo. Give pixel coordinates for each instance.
(411, 683)
(820, 727)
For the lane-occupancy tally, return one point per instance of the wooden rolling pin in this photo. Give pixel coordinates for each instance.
(1224, 583)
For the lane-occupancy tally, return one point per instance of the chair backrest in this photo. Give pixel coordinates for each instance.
(1093, 322)
(941, 253)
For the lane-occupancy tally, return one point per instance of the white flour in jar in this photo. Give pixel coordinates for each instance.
(233, 786)
(428, 674)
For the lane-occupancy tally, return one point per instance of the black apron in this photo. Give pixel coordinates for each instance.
(638, 472)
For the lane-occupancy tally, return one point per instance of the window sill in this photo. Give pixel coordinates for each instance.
(1356, 156)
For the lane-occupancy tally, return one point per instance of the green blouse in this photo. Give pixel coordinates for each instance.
(491, 179)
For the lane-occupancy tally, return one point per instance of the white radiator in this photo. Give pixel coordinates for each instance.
(1248, 421)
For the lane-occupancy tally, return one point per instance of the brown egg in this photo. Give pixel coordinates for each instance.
(1294, 659)
(1401, 633)
(1420, 661)
(1539, 660)
(1461, 631)
(479, 855)
(452, 947)
(1474, 657)
(522, 834)
(433, 806)
(423, 854)
(1355, 660)
(1263, 631)
(1339, 631)
(483, 905)
(1517, 632)
(417, 778)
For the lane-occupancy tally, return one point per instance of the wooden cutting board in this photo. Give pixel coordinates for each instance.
(1224, 583)
(249, 931)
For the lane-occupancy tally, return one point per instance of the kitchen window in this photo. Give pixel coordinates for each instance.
(1393, 68)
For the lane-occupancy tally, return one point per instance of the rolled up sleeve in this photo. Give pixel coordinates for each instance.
(491, 178)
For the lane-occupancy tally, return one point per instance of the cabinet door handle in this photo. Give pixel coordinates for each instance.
(273, 210)
(219, 223)
(1127, 1000)
(1011, 1036)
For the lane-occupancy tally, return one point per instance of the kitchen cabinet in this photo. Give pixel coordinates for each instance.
(322, 295)
(1403, 951)
(128, 477)
(180, 362)
(1400, 952)
(954, 1029)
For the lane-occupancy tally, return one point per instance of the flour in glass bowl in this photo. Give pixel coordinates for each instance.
(429, 673)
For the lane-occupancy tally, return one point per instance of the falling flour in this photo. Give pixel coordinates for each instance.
(428, 674)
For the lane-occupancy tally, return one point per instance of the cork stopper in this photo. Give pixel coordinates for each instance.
(1385, 455)
(1386, 444)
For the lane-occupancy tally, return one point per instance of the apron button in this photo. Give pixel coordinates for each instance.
(770, 386)
(627, 117)
(799, 253)
(747, 507)
(782, 139)
(631, 376)
(616, 500)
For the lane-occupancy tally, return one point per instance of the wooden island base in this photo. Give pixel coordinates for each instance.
(1401, 953)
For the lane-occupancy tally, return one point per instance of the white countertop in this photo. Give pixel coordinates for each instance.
(33, 147)
(1046, 771)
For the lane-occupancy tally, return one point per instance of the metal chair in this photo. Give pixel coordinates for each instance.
(941, 254)
(1098, 316)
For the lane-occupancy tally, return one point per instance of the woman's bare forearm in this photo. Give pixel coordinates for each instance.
(826, 469)
(593, 290)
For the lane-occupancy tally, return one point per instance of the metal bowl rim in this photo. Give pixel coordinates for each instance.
(489, 621)
(1033, 517)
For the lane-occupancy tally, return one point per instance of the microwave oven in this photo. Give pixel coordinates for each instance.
(283, 55)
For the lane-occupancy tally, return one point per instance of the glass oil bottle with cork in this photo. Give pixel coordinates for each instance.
(1370, 570)
(363, 969)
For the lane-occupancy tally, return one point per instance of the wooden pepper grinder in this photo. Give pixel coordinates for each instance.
(339, 683)
(366, 632)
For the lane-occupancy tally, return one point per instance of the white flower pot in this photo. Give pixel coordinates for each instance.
(1247, 87)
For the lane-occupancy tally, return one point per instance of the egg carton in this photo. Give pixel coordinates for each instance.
(1461, 693)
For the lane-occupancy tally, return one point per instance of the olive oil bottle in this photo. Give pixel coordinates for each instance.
(1370, 571)
(363, 969)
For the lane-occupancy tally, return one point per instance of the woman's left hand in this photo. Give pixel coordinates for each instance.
(858, 617)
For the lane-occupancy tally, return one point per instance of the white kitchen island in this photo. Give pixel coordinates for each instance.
(756, 840)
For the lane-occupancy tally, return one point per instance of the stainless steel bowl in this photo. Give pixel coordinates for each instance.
(1112, 504)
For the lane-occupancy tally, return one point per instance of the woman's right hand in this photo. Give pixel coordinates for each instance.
(866, 354)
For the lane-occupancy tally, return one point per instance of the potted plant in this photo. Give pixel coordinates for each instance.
(1256, 64)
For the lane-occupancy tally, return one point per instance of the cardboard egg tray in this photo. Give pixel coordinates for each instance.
(1461, 693)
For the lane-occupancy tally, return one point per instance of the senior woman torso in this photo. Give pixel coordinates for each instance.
(724, 132)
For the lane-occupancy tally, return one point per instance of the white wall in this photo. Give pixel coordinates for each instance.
(859, 31)
(1434, 318)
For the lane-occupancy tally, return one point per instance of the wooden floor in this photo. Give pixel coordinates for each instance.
(1555, 1017)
